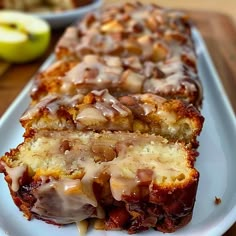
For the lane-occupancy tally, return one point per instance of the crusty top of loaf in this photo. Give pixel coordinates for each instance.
(160, 38)
(61, 169)
(170, 78)
(148, 31)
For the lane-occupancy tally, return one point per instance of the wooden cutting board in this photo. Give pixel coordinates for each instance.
(218, 31)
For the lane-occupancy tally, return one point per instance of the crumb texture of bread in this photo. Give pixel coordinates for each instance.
(111, 131)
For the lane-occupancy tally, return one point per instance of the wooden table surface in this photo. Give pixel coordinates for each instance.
(217, 28)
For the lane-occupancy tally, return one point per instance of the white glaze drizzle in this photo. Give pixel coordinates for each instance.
(15, 173)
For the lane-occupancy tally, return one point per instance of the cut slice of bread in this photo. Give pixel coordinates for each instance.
(159, 37)
(65, 177)
(98, 110)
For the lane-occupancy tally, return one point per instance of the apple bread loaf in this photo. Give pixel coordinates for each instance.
(132, 181)
(111, 130)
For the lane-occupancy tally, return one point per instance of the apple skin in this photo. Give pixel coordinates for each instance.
(24, 51)
(34, 45)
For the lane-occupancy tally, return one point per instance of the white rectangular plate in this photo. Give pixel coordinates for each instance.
(216, 164)
(65, 18)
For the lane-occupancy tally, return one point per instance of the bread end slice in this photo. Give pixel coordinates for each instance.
(65, 177)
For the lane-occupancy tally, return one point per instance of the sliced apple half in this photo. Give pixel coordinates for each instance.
(23, 37)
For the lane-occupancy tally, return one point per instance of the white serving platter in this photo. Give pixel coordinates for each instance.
(216, 164)
(65, 18)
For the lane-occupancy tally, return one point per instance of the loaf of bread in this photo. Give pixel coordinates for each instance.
(111, 131)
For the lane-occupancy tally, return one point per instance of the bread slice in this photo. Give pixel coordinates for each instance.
(99, 110)
(170, 79)
(132, 181)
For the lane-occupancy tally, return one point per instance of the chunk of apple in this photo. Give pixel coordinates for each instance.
(23, 37)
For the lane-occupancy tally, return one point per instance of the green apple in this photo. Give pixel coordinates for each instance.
(23, 37)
